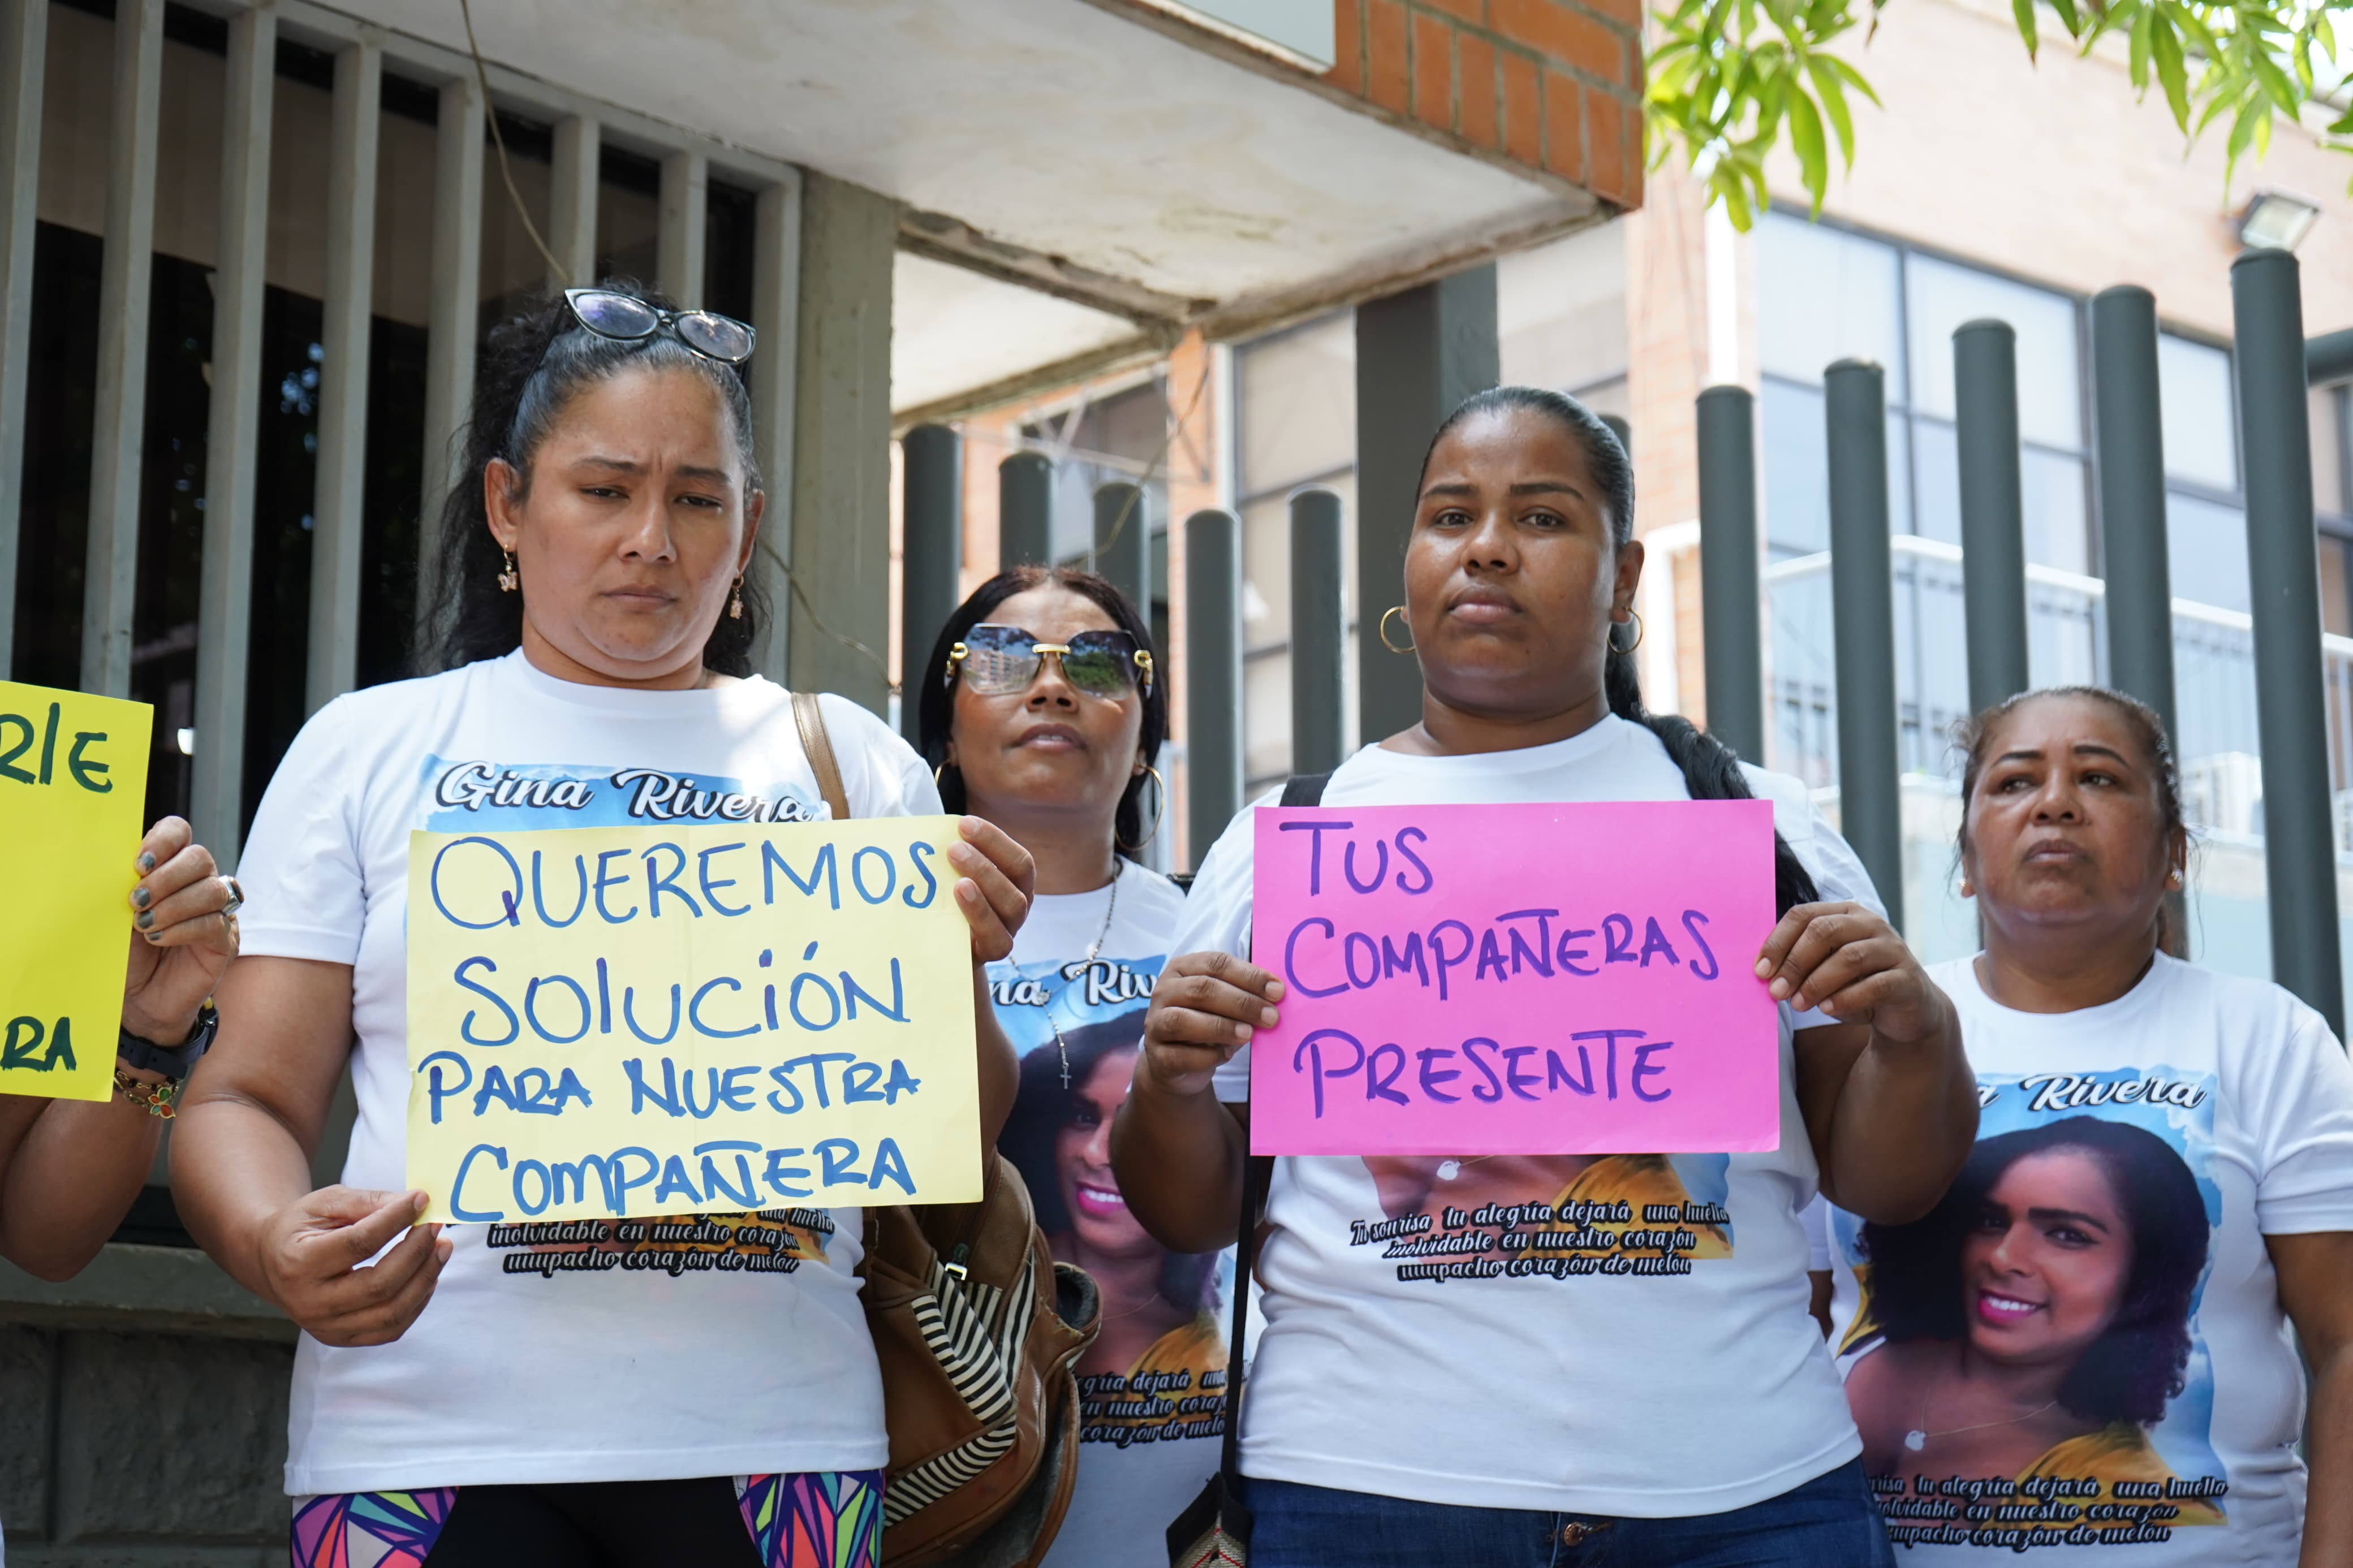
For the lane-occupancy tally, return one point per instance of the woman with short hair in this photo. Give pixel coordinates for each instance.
(2084, 1348)
(1044, 708)
(457, 1398)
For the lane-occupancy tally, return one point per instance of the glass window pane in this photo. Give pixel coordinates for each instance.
(1824, 295)
(1560, 312)
(2056, 511)
(2206, 550)
(2332, 442)
(2200, 432)
(1266, 573)
(1296, 404)
(1796, 468)
(1936, 448)
(1940, 296)
(1266, 717)
(2335, 584)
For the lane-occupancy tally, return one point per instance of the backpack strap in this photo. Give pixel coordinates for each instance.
(1305, 789)
(818, 746)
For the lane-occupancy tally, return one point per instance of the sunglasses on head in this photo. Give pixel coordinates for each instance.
(611, 314)
(997, 661)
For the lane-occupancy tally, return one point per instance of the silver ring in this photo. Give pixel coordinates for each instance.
(236, 897)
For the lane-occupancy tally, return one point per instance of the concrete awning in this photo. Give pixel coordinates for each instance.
(1151, 173)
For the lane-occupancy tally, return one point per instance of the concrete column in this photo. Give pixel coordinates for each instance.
(456, 307)
(1213, 676)
(1862, 616)
(1993, 514)
(931, 551)
(1318, 634)
(126, 284)
(678, 245)
(339, 507)
(841, 441)
(2129, 437)
(2284, 580)
(225, 608)
(1732, 643)
(776, 369)
(1123, 542)
(1418, 354)
(1025, 511)
(24, 55)
(572, 202)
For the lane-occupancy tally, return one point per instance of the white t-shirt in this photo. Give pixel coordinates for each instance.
(2130, 1160)
(520, 1370)
(1152, 1389)
(1651, 1394)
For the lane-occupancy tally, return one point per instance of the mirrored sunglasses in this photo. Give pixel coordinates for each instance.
(997, 661)
(611, 314)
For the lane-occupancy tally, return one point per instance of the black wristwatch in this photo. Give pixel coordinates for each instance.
(174, 1062)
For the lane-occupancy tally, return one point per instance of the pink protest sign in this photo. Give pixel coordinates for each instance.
(1516, 980)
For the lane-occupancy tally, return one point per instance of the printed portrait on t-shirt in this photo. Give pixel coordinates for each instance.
(1484, 1216)
(1157, 1371)
(2024, 1363)
(479, 796)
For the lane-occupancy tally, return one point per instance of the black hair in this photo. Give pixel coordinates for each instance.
(531, 367)
(1042, 1108)
(936, 704)
(1711, 770)
(2136, 1366)
(1974, 737)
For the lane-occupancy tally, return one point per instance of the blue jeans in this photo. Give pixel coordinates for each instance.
(1829, 1522)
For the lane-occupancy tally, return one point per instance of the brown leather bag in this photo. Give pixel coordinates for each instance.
(978, 1330)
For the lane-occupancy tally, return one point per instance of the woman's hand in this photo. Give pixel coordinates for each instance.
(313, 1258)
(998, 879)
(1843, 960)
(1205, 1008)
(182, 936)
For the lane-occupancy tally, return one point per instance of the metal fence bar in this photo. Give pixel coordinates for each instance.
(1213, 676)
(1318, 634)
(24, 47)
(2130, 436)
(1025, 511)
(338, 536)
(126, 277)
(776, 316)
(2328, 357)
(931, 557)
(233, 432)
(2283, 571)
(1123, 542)
(1863, 606)
(455, 306)
(572, 201)
(1993, 510)
(678, 253)
(1732, 642)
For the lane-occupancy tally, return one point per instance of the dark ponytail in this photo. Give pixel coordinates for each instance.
(1710, 770)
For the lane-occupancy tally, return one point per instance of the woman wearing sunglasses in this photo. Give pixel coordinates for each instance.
(1044, 710)
(478, 1397)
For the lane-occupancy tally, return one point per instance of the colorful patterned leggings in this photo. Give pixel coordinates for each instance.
(828, 1519)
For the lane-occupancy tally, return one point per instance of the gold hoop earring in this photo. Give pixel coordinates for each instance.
(1157, 818)
(509, 578)
(1636, 617)
(1382, 631)
(736, 603)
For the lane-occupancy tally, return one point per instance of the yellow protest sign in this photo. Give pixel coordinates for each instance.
(73, 787)
(647, 1021)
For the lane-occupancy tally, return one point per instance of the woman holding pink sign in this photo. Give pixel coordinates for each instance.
(1638, 1393)
(514, 1395)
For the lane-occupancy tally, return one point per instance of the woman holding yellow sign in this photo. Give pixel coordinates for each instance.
(703, 1389)
(69, 1168)
(1565, 1371)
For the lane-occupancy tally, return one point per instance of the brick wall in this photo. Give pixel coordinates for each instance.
(1551, 84)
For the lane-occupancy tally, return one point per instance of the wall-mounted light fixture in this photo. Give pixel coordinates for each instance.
(2276, 220)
